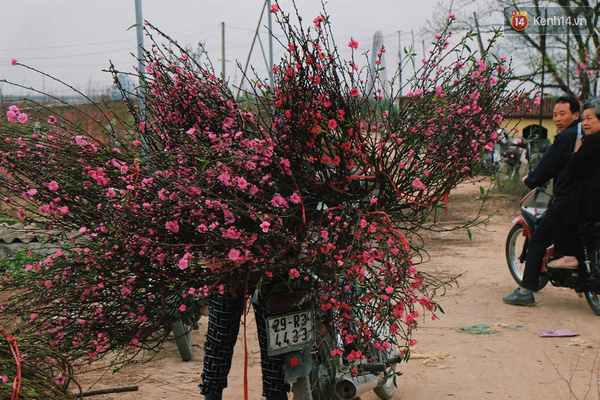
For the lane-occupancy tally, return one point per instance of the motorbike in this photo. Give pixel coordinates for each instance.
(306, 344)
(179, 325)
(492, 160)
(515, 155)
(585, 280)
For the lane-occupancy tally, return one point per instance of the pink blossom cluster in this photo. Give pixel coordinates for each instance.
(14, 114)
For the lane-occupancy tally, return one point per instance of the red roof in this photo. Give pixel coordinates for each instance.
(528, 109)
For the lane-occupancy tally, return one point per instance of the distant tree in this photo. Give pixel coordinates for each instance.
(127, 83)
(569, 59)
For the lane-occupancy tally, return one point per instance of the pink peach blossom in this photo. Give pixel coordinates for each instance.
(417, 184)
(173, 226)
(234, 254)
(53, 186)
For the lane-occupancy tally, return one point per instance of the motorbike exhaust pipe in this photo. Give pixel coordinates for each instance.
(350, 387)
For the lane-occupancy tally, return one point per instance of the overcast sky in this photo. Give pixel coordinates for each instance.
(74, 40)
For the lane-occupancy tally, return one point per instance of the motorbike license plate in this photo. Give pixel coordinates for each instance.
(290, 332)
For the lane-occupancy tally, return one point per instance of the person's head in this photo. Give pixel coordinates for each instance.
(591, 116)
(566, 111)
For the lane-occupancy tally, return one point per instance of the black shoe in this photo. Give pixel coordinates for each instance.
(217, 396)
(518, 299)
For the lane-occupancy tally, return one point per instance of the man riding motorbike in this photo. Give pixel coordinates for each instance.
(567, 120)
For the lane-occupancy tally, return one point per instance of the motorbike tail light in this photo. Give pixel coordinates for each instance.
(294, 362)
(287, 301)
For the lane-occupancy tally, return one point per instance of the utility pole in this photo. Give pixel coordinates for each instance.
(251, 48)
(271, 63)
(413, 51)
(139, 29)
(568, 57)
(223, 76)
(542, 80)
(400, 63)
(479, 41)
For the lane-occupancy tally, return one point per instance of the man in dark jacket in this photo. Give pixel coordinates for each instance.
(552, 166)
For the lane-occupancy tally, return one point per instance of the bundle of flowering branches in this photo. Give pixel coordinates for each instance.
(318, 174)
(155, 226)
(377, 168)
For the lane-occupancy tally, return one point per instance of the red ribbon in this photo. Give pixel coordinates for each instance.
(14, 348)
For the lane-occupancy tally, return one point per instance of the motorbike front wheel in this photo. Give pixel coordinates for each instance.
(593, 298)
(182, 339)
(515, 247)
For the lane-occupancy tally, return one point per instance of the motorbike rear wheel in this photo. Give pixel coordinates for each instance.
(593, 298)
(505, 174)
(324, 370)
(301, 389)
(515, 243)
(387, 389)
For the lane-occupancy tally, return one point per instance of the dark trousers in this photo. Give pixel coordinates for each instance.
(542, 237)
(224, 319)
(568, 241)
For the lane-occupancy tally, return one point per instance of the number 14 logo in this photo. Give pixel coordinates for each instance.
(519, 20)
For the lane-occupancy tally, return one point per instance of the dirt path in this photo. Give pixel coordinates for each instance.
(480, 349)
